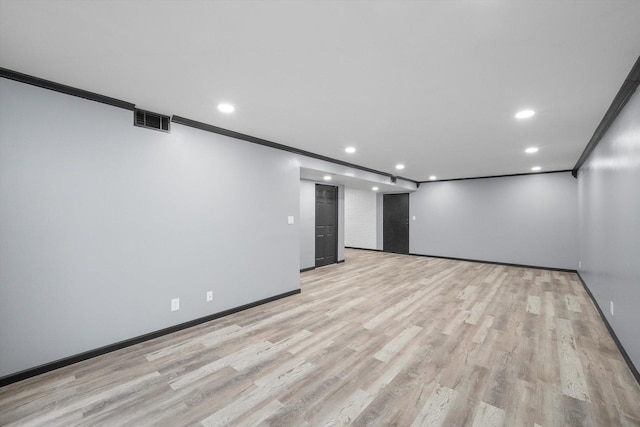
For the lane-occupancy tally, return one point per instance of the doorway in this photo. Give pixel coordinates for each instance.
(395, 223)
(326, 225)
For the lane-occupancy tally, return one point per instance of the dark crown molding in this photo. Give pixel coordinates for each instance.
(237, 135)
(69, 90)
(629, 86)
(57, 87)
(495, 176)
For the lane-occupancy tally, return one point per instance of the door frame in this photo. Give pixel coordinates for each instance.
(408, 223)
(336, 216)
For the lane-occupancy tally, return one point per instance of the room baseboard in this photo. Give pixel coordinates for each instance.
(566, 270)
(624, 353)
(32, 372)
(539, 267)
(302, 270)
(363, 249)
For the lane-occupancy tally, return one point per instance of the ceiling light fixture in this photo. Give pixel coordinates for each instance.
(226, 108)
(350, 174)
(432, 177)
(536, 168)
(374, 188)
(350, 150)
(327, 178)
(399, 166)
(525, 114)
(531, 150)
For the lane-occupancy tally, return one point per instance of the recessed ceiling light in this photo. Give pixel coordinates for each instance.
(531, 150)
(374, 188)
(327, 178)
(432, 177)
(350, 150)
(399, 166)
(226, 108)
(525, 114)
(536, 168)
(350, 174)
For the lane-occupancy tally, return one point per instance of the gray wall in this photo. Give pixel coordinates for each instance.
(529, 219)
(103, 223)
(308, 223)
(609, 199)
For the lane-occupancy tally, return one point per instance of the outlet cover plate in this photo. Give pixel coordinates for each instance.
(611, 307)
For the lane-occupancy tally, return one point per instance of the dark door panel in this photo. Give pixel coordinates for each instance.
(326, 225)
(395, 223)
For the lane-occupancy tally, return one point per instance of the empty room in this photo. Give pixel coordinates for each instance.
(319, 213)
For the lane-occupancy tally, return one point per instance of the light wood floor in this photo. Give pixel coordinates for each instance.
(382, 339)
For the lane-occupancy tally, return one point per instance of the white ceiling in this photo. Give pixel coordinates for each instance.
(431, 84)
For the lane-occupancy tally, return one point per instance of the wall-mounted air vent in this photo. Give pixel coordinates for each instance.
(147, 119)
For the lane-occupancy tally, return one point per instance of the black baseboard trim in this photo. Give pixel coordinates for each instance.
(363, 249)
(302, 270)
(539, 267)
(340, 261)
(624, 353)
(32, 372)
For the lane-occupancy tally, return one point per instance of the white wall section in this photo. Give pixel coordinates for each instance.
(360, 218)
(530, 220)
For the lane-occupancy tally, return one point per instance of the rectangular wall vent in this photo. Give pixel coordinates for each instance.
(147, 119)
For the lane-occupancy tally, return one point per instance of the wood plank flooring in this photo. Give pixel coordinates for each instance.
(382, 339)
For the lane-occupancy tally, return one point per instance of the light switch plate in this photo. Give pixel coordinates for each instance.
(175, 304)
(290, 219)
(209, 296)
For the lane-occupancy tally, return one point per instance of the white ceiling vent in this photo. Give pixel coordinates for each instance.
(147, 119)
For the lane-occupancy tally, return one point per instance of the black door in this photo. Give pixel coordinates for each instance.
(326, 225)
(395, 223)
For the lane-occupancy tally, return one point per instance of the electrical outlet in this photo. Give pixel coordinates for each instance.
(611, 307)
(209, 296)
(579, 264)
(175, 304)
